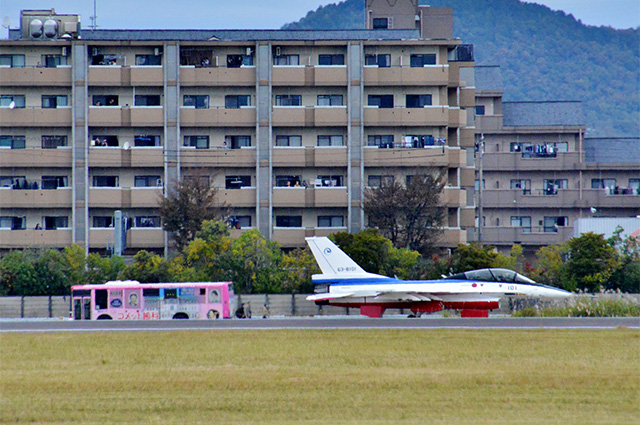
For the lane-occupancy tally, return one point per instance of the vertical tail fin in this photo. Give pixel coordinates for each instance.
(331, 259)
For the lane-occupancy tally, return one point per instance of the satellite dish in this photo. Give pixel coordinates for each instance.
(6, 22)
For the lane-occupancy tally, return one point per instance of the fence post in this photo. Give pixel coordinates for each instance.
(22, 307)
(50, 308)
(293, 304)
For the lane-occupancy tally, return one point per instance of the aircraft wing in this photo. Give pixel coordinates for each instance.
(330, 296)
(378, 295)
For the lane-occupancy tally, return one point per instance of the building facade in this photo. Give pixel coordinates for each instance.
(290, 126)
(540, 174)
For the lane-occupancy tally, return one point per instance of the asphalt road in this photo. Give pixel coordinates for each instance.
(337, 322)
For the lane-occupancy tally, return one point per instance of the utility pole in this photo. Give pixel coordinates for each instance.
(480, 155)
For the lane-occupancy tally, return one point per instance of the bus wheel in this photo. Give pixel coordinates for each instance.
(213, 314)
(104, 317)
(180, 316)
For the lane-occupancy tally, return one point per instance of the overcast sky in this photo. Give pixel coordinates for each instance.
(263, 14)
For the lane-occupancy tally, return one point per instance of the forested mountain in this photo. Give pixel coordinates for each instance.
(544, 55)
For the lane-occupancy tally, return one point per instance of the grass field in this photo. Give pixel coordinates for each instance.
(323, 377)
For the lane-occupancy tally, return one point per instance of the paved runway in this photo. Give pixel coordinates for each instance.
(336, 322)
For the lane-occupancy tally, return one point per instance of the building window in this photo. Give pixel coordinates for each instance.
(105, 141)
(288, 181)
(106, 59)
(330, 221)
(330, 141)
(198, 142)
(545, 150)
(551, 186)
(521, 184)
(53, 101)
(288, 100)
(146, 141)
(480, 110)
(523, 222)
(53, 61)
(603, 184)
(53, 142)
(147, 100)
(12, 142)
(240, 221)
(54, 182)
(105, 100)
(105, 181)
(56, 222)
(102, 221)
(285, 60)
(329, 100)
(237, 142)
(291, 141)
(237, 182)
(418, 61)
(418, 141)
(196, 101)
(381, 61)
(288, 221)
(13, 101)
(148, 181)
(477, 184)
(13, 223)
(329, 181)
(634, 185)
(551, 224)
(381, 100)
(236, 61)
(326, 60)
(147, 221)
(148, 60)
(379, 181)
(237, 101)
(418, 100)
(380, 23)
(12, 61)
(381, 141)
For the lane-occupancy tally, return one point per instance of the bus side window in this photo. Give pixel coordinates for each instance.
(170, 293)
(101, 299)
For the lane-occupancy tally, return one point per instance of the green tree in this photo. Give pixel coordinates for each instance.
(103, 269)
(187, 205)
(297, 267)
(473, 256)
(147, 268)
(17, 275)
(409, 215)
(627, 277)
(591, 261)
(551, 269)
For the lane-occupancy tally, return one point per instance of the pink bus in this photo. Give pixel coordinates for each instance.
(132, 300)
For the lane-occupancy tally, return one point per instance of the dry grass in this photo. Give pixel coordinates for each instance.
(323, 377)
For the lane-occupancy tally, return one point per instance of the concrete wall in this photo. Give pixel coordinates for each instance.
(278, 305)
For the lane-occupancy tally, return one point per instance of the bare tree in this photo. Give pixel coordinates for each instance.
(409, 215)
(187, 204)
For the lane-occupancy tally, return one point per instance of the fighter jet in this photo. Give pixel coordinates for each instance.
(344, 283)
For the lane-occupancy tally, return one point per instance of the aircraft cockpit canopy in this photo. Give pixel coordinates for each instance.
(493, 275)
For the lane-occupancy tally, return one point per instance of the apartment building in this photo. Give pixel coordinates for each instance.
(291, 126)
(540, 173)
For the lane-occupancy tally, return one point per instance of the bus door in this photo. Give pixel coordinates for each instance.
(82, 305)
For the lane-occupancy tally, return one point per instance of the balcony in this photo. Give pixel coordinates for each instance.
(58, 158)
(467, 217)
(294, 116)
(291, 237)
(35, 117)
(137, 238)
(488, 123)
(425, 157)
(330, 196)
(60, 76)
(467, 137)
(454, 197)
(147, 116)
(457, 117)
(291, 75)
(565, 198)
(513, 161)
(430, 115)
(330, 75)
(292, 197)
(116, 197)
(467, 97)
(452, 237)
(244, 197)
(508, 236)
(292, 157)
(330, 116)
(38, 198)
(10, 239)
(239, 77)
(330, 157)
(467, 177)
(114, 75)
(242, 117)
(434, 75)
(118, 157)
(191, 157)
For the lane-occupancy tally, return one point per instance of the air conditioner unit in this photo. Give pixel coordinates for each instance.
(278, 51)
(159, 183)
(64, 51)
